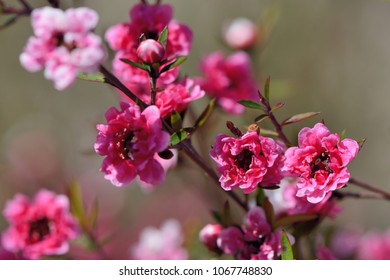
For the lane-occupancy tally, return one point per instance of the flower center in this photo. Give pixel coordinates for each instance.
(39, 229)
(321, 163)
(244, 159)
(125, 142)
(59, 41)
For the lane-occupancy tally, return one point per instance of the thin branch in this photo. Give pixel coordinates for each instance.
(342, 195)
(370, 188)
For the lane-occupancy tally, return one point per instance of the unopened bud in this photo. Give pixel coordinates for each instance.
(150, 51)
(209, 235)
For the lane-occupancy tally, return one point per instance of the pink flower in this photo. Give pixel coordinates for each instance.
(240, 34)
(229, 80)
(231, 241)
(63, 44)
(320, 162)
(248, 161)
(130, 141)
(149, 20)
(209, 235)
(39, 227)
(374, 246)
(324, 253)
(160, 244)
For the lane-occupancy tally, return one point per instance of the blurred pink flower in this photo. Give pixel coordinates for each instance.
(320, 162)
(228, 79)
(160, 244)
(248, 161)
(149, 20)
(374, 246)
(240, 34)
(345, 243)
(324, 253)
(209, 235)
(63, 44)
(129, 141)
(39, 227)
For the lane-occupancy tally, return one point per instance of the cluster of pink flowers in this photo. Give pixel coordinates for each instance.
(41, 227)
(130, 141)
(63, 44)
(160, 244)
(228, 79)
(254, 240)
(248, 162)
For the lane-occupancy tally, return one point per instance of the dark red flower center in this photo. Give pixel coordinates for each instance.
(321, 163)
(125, 141)
(244, 159)
(59, 41)
(38, 230)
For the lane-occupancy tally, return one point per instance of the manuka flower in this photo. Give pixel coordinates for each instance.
(130, 141)
(63, 44)
(248, 162)
(320, 162)
(41, 227)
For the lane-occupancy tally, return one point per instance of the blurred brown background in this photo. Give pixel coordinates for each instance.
(330, 56)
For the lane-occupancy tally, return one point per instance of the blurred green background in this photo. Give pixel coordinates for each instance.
(330, 56)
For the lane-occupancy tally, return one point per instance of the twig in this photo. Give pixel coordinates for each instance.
(369, 187)
(342, 195)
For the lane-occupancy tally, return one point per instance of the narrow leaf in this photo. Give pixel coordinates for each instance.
(343, 135)
(361, 143)
(226, 219)
(287, 252)
(260, 197)
(178, 137)
(9, 22)
(261, 118)
(179, 61)
(135, 64)
(96, 77)
(205, 114)
(289, 220)
(266, 88)
(163, 38)
(176, 121)
(76, 203)
(299, 117)
(250, 104)
(269, 212)
(268, 133)
(217, 216)
(277, 107)
(93, 214)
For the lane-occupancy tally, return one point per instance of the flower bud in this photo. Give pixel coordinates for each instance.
(150, 51)
(209, 235)
(240, 34)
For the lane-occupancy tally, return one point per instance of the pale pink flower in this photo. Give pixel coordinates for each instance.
(209, 235)
(130, 141)
(149, 20)
(248, 162)
(40, 227)
(240, 34)
(160, 244)
(228, 79)
(320, 162)
(63, 44)
(374, 246)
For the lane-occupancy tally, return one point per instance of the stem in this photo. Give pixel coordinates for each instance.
(96, 244)
(342, 195)
(369, 187)
(26, 5)
(153, 90)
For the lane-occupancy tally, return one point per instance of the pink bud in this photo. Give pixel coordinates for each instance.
(150, 51)
(209, 235)
(240, 34)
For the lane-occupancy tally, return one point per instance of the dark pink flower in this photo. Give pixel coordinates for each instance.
(320, 162)
(209, 235)
(130, 141)
(63, 44)
(228, 79)
(149, 20)
(161, 244)
(231, 241)
(248, 161)
(39, 227)
(150, 52)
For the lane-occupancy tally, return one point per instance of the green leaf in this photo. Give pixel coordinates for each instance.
(96, 77)
(76, 203)
(343, 135)
(289, 220)
(163, 38)
(135, 64)
(205, 114)
(250, 104)
(268, 133)
(179, 61)
(266, 88)
(299, 117)
(269, 212)
(277, 107)
(178, 137)
(226, 218)
(217, 216)
(261, 118)
(176, 121)
(287, 252)
(93, 214)
(260, 197)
